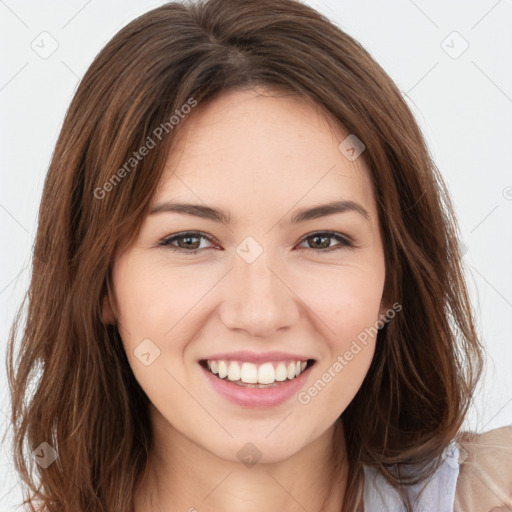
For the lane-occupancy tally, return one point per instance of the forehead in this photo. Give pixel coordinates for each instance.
(251, 150)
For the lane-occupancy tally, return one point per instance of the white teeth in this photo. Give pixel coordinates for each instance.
(266, 373)
(250, 373)
(223, 369)
(234, 371)
(281, 372)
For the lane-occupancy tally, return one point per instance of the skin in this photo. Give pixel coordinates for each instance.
(234, 153)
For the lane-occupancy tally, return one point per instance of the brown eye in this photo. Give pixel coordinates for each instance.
(322, 241)
(188, 243)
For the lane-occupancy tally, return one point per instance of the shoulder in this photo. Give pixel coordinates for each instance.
(485, 471)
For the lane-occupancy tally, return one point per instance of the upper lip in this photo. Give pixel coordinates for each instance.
(254, 357)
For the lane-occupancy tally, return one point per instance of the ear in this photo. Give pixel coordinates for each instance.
(107, 312)
(383, 312)
(383, 309)
(386, 304)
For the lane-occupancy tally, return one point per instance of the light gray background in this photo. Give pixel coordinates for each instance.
(463, 104)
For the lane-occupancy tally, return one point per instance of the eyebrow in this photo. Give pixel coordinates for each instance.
(224, 217)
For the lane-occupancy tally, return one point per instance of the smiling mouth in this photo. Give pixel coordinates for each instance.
(250, 375)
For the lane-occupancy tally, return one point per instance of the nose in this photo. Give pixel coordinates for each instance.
(258, 299)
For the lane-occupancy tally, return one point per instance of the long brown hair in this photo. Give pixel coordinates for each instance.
(71, 385)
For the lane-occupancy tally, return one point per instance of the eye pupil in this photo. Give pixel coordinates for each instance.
(187, 239)
(316, 237)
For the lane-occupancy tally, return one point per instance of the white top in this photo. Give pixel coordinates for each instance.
(438, 495)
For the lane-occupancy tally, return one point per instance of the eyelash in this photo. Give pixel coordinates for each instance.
(346, 243)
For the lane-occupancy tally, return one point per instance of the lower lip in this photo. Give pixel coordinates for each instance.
(257, 397)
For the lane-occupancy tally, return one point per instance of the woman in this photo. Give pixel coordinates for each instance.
(247, 289)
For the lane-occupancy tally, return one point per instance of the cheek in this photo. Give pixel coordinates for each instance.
(152, 318)
(348, 304)
(159, 310)
(348, 309)
(154, 302)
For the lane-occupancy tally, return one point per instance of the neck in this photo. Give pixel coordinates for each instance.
(195, 480)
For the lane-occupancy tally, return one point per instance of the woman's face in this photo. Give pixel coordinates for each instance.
(267, 286)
